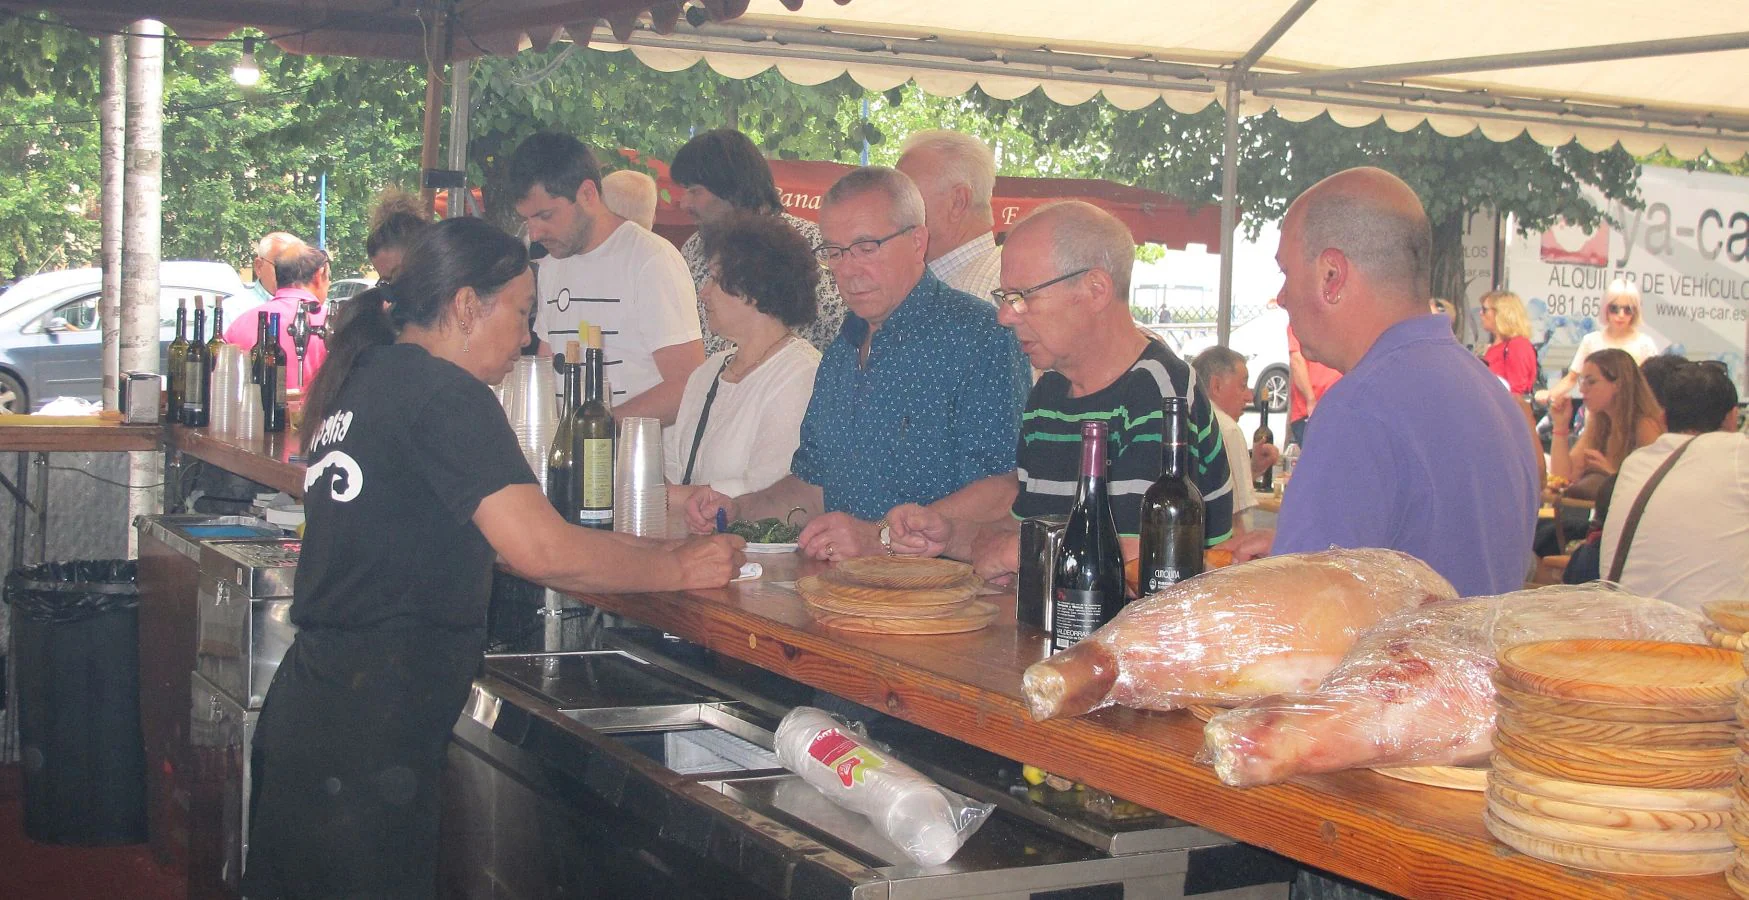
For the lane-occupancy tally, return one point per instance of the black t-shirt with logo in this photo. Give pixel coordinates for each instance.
(411, 447)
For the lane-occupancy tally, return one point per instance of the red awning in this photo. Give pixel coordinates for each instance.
(1153, 217)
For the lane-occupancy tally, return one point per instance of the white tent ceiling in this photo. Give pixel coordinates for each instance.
(1137, 52)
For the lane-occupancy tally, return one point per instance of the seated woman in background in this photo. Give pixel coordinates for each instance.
(1511, 356)
(740, 418)
(1621, 416)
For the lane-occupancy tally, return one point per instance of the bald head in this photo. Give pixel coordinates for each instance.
(1083, 236)
(1378, 225)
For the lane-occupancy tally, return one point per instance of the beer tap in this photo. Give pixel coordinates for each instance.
(301, 331)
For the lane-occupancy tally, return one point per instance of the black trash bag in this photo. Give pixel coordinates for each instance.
(76, 632)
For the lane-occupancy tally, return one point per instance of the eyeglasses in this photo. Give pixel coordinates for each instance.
(1618, 309)
(1016, 300)
(1487, 309)
(831, 253)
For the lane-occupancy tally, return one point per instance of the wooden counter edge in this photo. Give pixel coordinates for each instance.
(264, 464)
(1295, 819)
(94, 438)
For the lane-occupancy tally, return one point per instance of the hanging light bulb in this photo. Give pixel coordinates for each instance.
(245, 72)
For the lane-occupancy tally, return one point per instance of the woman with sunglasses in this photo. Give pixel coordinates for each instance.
(1510, 355)
(1621, 331)
(1621, 416)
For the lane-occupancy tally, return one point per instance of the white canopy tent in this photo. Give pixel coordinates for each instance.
(1673, 75)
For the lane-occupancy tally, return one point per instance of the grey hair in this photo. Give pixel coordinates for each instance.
(630, 195)
(1083, 236)
(274, 244)
(964, 160)
(1216, 362)
(904, 201)
(1382, 242)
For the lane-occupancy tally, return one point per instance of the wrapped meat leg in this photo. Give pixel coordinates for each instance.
(1230, 635)
(1416, 690)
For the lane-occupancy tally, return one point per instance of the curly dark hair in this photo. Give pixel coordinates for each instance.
(760, 257)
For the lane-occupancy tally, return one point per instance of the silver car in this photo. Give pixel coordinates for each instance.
(51, 341)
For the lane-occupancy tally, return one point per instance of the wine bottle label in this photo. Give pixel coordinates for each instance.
(278, 386)
(193, 385)
(595, 472)
(1162, 578)
(1074, 616)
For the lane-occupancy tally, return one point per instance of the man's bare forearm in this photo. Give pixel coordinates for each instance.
(776, 501)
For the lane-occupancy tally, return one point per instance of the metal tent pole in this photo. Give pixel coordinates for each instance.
(458, 134)
(1229, 213)
(113, 136)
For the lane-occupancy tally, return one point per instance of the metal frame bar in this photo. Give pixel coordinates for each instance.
(1712, 43)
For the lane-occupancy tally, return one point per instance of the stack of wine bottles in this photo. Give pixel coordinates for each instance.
(190, 397)
(580, 464)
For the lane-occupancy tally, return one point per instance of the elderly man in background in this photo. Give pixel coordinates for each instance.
(1065, 293)
(1418, 448)
(273, 247)
(631, 196)
(1692, 541)
(957, 175)
(302, 278)
(1223, 375)
(918, 401)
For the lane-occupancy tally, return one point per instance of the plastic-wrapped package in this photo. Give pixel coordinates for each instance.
(920, 817)
(1417, 689)
(1230, 635)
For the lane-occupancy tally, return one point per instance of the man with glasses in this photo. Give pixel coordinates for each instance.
(917, 401)
(1065, 294)
(273, 247)
(301, 279)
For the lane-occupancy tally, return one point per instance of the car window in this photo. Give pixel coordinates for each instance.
(80, 314)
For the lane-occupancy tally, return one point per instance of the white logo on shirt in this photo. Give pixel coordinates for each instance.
(346, 483)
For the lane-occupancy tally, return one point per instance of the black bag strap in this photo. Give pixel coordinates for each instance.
(1633, 523)
(704, 417)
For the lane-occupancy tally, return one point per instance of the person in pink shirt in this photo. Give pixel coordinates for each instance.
(302, 278)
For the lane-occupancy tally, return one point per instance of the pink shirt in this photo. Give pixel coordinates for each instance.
(242, 333)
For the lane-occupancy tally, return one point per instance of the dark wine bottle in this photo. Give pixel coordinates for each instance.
(255, 352)
(199, 372)
(562, 489)
(217, 341)
(177, 364)
(273, 361)
(1266, 481)
(1087, 585)
(592, 435)
(1172, 511)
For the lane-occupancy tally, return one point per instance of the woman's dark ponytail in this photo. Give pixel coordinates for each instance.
(451, 255)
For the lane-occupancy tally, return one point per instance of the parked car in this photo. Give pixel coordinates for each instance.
(1262, 340)
(347, 288)
(51, 339)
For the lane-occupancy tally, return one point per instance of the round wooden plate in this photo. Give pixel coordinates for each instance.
(1612, 754)
(1652, 673)
(1609, 816)
(1456, 778)
(1604, 836)
(1729, 615)
(1741, 711)
(976, 615)
(1611, 712)
(1738, 838)
(1719, 800)
(1611, 773)
(902, 572)
(1605, 859)
(1737, 879)
(820, 585)
(1675, 734)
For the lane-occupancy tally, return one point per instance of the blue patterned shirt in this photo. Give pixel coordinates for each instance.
(936, 408)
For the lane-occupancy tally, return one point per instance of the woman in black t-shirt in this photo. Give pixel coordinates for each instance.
(415, 484)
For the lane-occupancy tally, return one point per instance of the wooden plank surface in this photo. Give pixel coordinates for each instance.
(267, 460)
(59, 435)
(1408, 839)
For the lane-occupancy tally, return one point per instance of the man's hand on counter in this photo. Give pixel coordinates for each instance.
(835, 536)
(996, 552)
(710, 561)
(701, 510)
(919, 531)
(1251, 544)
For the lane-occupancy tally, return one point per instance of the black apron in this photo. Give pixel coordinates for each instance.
(346, 763)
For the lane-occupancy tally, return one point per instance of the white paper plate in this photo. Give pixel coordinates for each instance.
(771, 548)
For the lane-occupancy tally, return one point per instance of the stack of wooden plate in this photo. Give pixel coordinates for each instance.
(897, 595)
(1729, 620)
(1617, 756)
(1737, 876)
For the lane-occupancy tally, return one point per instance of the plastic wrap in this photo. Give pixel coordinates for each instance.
(1226, 636)
(1416, 690)
(920, 817)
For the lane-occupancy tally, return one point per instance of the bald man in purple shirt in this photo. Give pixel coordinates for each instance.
(1418, 448)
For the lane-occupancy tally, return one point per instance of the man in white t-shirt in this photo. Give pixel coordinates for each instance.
(1222, 374)
(957, 175)
(608, 272)
(1692, 543)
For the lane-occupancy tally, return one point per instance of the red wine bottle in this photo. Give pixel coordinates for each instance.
(562, 490)
(272, 375)
(1172, 511)
(1265, 481)
(1087, 585)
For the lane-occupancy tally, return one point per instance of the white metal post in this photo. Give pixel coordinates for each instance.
(142, 243)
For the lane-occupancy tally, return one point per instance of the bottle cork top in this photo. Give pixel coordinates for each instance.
(573, 350)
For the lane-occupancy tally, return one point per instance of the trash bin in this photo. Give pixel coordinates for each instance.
(77, 692)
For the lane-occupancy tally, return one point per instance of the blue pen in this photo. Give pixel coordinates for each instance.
(722, 520)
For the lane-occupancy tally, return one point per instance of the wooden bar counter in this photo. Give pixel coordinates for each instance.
(266, 460)
(1404, 838)
(69, 434)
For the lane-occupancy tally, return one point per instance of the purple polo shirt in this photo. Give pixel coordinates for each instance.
(1420, 449)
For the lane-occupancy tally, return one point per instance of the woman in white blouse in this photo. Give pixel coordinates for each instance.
(1621, 331)
(740, 418)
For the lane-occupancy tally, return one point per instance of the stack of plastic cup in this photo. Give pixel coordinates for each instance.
(230, 381)
(640, 493)
(532, 411)
(246, 425)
